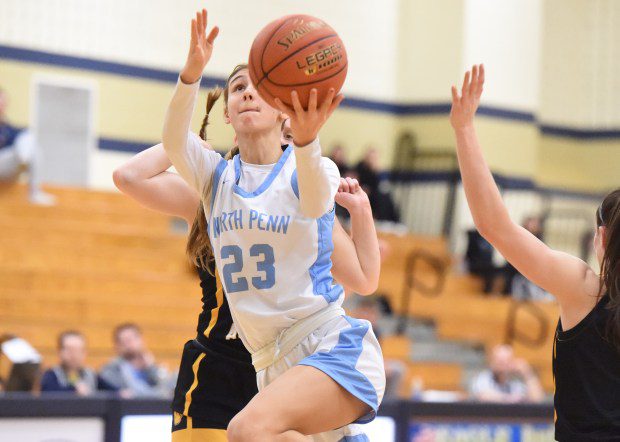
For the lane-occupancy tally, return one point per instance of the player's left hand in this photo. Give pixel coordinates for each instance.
(305, 124)
(351, 196)
(465, 105)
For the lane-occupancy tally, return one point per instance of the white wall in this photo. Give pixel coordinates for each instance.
(580, 79)
(430, 52)
(505, 36)
(156, 33)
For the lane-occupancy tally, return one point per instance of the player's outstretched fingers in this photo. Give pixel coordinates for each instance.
(354, 185)
(312, 101)
(299, 109)
(465, 87)
(455, 96)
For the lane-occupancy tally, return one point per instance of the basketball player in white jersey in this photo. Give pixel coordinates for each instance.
(270, 216)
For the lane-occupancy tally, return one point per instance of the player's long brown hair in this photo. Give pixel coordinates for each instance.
(198, 247)
(608, 215)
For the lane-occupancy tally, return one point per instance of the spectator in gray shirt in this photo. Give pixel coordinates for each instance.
(133, 373)
(507, 380)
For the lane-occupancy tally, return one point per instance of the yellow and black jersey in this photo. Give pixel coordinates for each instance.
(586, 370)
(216, 376)
(215, 321)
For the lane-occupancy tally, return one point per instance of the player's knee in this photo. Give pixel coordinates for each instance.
(244, 427)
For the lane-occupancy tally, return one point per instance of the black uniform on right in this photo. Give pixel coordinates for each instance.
(586, 369)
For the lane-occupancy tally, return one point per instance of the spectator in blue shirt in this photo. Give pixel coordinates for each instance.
(70, 375)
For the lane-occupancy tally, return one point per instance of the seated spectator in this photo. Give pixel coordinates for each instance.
(18, 153)
(479, 261)
(338, 156)
(369, 175)
(70, 375)
(507, 380)
(133, 373)
(368, 171)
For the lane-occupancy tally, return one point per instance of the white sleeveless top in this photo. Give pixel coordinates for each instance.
(274, 263)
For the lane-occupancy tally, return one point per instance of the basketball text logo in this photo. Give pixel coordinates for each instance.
(299, 32)
(322, 60)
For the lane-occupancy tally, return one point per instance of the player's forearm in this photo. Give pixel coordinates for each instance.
(176, 135)
(317, 182)
(483, 196)
(364, 236)
(146, 164)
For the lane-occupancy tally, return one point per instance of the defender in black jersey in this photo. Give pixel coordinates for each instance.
(586, 352)
(216, 376)
(586, 370)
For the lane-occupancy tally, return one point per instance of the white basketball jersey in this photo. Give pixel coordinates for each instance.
(274, 263)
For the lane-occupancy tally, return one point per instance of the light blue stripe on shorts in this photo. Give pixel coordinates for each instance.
(340, 364)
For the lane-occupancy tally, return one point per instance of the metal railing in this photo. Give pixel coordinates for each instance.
(514, 335)
(413, 283)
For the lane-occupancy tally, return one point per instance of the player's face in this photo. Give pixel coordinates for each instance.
(246, 110)
(73, 352)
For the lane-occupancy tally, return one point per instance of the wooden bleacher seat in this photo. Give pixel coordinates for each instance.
(97, 259)
(462, 312)
(90, 262)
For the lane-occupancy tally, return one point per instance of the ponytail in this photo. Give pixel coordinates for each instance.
(608, 215)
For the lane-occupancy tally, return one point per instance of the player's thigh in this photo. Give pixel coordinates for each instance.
(304, 399)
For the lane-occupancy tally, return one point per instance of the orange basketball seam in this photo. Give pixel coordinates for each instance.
(265, 46)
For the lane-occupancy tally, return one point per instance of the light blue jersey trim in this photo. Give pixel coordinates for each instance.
(265, 184)
(295, 184)
(356, 438)
(320, 271)
(339, 364)
(219, 170)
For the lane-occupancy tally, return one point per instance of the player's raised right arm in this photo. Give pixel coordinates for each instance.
(194, 164)
(563, 275)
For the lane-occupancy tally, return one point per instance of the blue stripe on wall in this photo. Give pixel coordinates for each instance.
(580, 134)
(506, 114)
(503, 181)
(410, 109)
(123, 145)
(127, 70)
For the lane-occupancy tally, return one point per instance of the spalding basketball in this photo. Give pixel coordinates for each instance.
(297, 52)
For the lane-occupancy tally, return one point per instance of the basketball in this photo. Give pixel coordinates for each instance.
(297, 52)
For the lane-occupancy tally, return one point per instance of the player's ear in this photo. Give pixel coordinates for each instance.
(226, 115)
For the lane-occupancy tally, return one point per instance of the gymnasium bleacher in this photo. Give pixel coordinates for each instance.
(97, 259)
